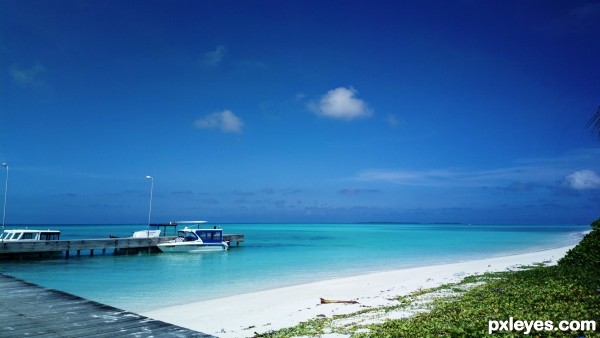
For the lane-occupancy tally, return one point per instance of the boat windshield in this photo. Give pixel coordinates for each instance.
(187, 236)
(12, 235)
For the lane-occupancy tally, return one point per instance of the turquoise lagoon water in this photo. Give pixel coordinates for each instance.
(274, 255)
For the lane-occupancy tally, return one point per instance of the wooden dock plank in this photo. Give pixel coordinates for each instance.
(27, 309)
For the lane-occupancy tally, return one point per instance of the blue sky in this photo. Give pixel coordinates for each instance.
(300, 111)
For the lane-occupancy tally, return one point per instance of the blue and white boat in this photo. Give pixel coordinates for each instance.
(195, 240)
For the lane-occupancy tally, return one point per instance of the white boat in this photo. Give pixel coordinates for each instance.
(195, 240)
(146, 234)
(151, 232)
(30, 235)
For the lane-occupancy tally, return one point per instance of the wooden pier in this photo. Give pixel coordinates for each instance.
(28, 310)
(102, 246)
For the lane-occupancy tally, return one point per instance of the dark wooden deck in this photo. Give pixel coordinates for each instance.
(28, 310)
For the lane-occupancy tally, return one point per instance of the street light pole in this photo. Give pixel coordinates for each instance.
(5, 194)
(150, 209)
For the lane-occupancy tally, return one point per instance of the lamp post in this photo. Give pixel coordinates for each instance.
(150, 209)
(5, 193)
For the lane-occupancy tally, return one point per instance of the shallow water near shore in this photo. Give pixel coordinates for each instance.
(274, 255)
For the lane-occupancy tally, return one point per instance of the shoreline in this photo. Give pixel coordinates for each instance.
(263, 311)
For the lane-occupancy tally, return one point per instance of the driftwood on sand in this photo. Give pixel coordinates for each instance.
(330, 301)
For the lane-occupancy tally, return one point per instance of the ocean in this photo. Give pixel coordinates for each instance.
(273, 255)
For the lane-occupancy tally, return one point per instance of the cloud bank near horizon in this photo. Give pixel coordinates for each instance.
(534, 173)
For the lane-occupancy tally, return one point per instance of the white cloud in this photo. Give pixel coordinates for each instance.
(225, 120)
(341, 103)
(29, 76)
(214, 57)
(583, 180)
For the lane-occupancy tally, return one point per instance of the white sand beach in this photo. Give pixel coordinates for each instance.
(243, 315)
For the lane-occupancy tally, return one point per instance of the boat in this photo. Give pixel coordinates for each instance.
(195, 240)
(30, 235)
(151, 232)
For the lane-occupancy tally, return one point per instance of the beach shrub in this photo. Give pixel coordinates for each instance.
(582, 263)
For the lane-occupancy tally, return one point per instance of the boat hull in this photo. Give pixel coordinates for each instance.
(191, 247)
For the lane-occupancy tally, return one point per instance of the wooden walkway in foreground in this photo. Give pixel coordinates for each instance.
(28, 310)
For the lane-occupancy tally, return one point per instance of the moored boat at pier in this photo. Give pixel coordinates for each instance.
(152, 232)
(195, 240)
(30, 235)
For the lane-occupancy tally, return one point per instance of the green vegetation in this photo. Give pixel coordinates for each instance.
(568, 291)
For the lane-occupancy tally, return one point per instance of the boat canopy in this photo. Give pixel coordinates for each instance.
(210, 235)
(205, 235)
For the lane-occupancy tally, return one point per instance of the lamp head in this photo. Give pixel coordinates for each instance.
(149, 177)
